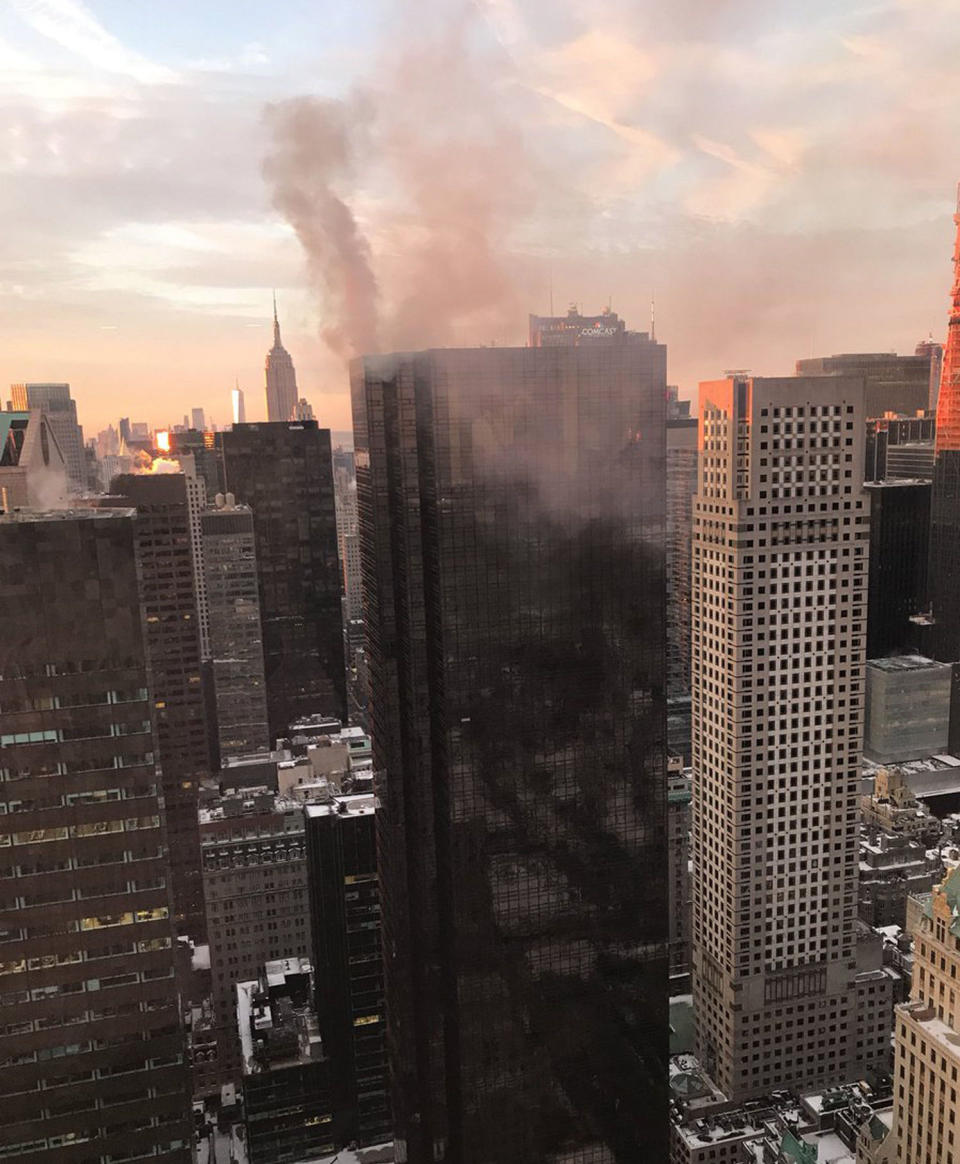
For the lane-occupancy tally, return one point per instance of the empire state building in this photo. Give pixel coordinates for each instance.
(281, 377)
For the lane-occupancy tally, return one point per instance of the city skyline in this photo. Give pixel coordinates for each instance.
(754, 174)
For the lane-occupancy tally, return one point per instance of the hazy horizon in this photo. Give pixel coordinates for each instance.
(780, 177)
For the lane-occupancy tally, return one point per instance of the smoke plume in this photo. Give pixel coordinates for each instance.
(314, 144)
(407, 196)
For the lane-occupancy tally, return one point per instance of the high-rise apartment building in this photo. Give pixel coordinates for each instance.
(284, 473)
(780, 553)
(197, 419)
(943, 633)
(280, 376)
(926, 1114)
(348, 961)
(512, 536)
(255, 888)
(91, 1050)
(235, 637)
(164, 540)
(61, 414)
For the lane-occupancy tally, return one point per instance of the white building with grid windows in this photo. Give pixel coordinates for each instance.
(781, 528)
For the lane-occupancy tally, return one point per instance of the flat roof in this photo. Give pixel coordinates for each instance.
(906, 663)
(357, 804)
(74, 513)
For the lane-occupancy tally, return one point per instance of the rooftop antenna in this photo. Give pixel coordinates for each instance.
(551, 291)
(653, 318)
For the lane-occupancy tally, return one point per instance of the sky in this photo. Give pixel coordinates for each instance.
(779, 175)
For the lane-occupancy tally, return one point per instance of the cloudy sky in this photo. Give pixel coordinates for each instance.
(780, 174)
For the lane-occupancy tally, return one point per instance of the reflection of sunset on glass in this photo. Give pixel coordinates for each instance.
(757, 164)
(162, 439)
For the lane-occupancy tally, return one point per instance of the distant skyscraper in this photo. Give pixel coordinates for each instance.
(934, 353)
(92, 1065)
(198, 420)
(236, 643)
(943, 641)
(512, 524)
(281, 377)
(900, 448)
(284, 473)
(348, 961)
(239, 406)
(165, 554)
(892, 383)
(303, 410)
(61, 414)
(780, 551)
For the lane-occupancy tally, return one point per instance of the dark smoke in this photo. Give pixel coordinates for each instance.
(314, 143)
(435, 142)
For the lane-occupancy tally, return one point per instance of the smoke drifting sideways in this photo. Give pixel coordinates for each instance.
(407, 196)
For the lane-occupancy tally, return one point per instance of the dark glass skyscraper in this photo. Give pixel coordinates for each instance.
(511, 507)
(285, 474)
(899, 545)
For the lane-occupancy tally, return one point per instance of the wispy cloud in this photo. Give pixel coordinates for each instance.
(71, 24)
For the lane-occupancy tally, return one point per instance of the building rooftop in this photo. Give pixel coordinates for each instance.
(276, 1024)
(906, 663)
(361, 804)
(935, 1028)
(71, 513)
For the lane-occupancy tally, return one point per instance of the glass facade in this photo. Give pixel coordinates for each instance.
(285, 474)
(511, 506)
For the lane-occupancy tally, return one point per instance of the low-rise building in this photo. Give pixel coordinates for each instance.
(892, 866)
(893, 808)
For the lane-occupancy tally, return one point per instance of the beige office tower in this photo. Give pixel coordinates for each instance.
(779, 622)
(925, 1084)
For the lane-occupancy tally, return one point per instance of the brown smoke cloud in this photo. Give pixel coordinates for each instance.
(434, 146)
(314, 146)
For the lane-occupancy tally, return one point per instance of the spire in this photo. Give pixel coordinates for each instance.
(276, 324)
(653, 318)
(948, 402)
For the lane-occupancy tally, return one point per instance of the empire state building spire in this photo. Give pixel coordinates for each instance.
(280, 375)
(948, 402)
